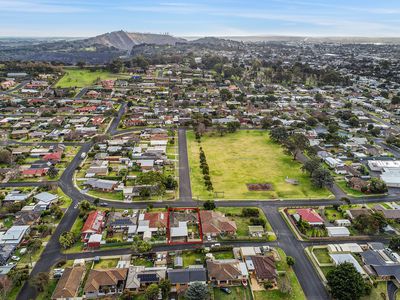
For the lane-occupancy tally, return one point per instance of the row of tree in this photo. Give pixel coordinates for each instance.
(205, 170)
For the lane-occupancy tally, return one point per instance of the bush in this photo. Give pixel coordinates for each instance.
(250, 212)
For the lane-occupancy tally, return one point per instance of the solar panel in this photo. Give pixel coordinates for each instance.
(152, 277)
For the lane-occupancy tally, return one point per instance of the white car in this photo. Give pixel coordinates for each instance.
(16, 258)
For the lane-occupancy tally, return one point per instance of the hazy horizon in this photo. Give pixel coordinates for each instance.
(77, 18)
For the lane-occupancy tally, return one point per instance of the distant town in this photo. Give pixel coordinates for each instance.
(209, 169)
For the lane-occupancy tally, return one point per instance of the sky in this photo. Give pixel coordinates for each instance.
(84, 18)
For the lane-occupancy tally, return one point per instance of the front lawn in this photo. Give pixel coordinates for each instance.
(247, 157)
(189, 258)
(106, 264)
(322, 255)
(243, 223)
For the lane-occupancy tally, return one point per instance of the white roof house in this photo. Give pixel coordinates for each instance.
(45, 197)
(347, 247)
(14, 235)
(341, 258)
(337, 231)
(180, 231)
(391, 177)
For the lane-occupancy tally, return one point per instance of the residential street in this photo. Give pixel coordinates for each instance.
(308, 278)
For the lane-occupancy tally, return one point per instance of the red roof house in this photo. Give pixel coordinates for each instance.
(54, 157)
(34, 172)
(214, 223)
(157, 219)
(310, 216)
(94, 224)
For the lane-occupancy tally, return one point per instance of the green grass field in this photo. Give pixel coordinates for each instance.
(83, 78)
(244, 157)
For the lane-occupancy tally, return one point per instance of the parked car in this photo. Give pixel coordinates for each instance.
(16, 258)
(225, 290)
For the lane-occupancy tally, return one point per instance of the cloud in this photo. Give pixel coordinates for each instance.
(38, 7)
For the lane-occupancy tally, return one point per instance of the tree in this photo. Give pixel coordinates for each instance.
(67, 239)
(345, 282)
(140, 246)
(40, 281)
(165, 287)
(52, 171)
(311, 165)
(296, 144)
(394, 244)
(152, 292)
(197, 291)
(85, 207)
(321, 177)
(233, 126)
(209, 205)
(18, 276)
(279, 134)
(290, 261)
(318, 97)
(5, 156)
(34, 245)
(116, 65)
(377, 186)
(56, 211)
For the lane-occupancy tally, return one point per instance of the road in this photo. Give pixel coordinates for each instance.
(308, 278)
(185, 190)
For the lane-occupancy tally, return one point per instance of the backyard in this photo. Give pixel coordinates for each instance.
(237, 293)
(247, 157)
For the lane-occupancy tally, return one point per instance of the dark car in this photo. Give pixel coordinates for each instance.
(225, 290)
(103, 204)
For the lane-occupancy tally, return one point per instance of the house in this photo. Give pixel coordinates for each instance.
(14, 235)
(54, 157)
(337, 231)
(94, 241)
(226, 271)
(215, 223)
(355, 212)
(181, 278)
(139, 277)
(107, 282)
(19, 133)
(15, 196)
(390, 214)
(6, 251)
(339, 258)
(308, 215)
(46, 197)
(382, 262)
(94, 224)
(264, 268)
(69, 283)
(39, 172)
(342, 222)
(28, 217)
(101, 184)
(117, 221)
(358, 184)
